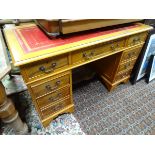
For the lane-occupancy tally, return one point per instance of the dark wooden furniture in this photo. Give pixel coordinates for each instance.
(8, 113)
(53, 27)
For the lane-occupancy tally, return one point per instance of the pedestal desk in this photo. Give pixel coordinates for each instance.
(46, 65)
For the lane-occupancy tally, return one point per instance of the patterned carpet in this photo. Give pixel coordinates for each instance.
(129, 109)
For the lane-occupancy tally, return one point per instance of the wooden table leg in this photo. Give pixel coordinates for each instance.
(8, 113)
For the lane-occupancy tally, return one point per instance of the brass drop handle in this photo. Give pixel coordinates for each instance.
(92, 53)
(126, 65)
(129, 55)
(124, 75)
(49, 88)
(117, 45)
(133, 53)
(52, 99)
(112, 47)
(43, 69)
(86, 56)
(57, 107)
(136, 40)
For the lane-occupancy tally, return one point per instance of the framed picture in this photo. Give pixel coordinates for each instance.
(151, 69)
(5, 66)
(149, 49)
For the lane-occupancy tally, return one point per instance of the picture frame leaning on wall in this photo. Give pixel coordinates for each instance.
(141, 67)
(151, 69)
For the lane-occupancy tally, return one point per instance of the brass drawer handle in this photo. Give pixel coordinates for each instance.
(124, 75)
(129, 55)
(92, 53)
(43, 69)
(136, 40)
(49, 88)
(57, 107)
(112, 47)
(133, 53)
(88, 56)
(117, 46)
(52, 99)
(127, 65)
(85, 55)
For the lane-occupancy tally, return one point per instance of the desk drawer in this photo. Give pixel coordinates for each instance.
(126, 65)
(136, 39)
(131, 53)
(47, 66)
(87, 54)
(122, 75)
(55, 107)
(49, 85)
(53, 97)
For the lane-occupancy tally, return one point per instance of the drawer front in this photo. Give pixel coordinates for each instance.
(98, 50)
(136, 39)
(122, 75)
(47, 66)
(131, 53)
(126, 65)
(53, 97)
(55, 108)
(50, 85)
(110, 47)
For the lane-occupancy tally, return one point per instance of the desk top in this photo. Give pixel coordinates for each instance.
(27, 43)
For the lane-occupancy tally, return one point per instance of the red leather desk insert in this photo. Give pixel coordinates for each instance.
(32, 39)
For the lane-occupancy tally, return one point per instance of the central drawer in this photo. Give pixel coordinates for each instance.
(53, 97)
(90, 53)
(55, 107)
(45, 67)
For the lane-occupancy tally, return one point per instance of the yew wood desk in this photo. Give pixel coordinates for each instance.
(46, 65)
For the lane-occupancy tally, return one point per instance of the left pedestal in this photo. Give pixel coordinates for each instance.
(9, 115)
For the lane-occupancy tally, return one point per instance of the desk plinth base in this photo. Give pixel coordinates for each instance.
(111, 86)
(47, 121)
